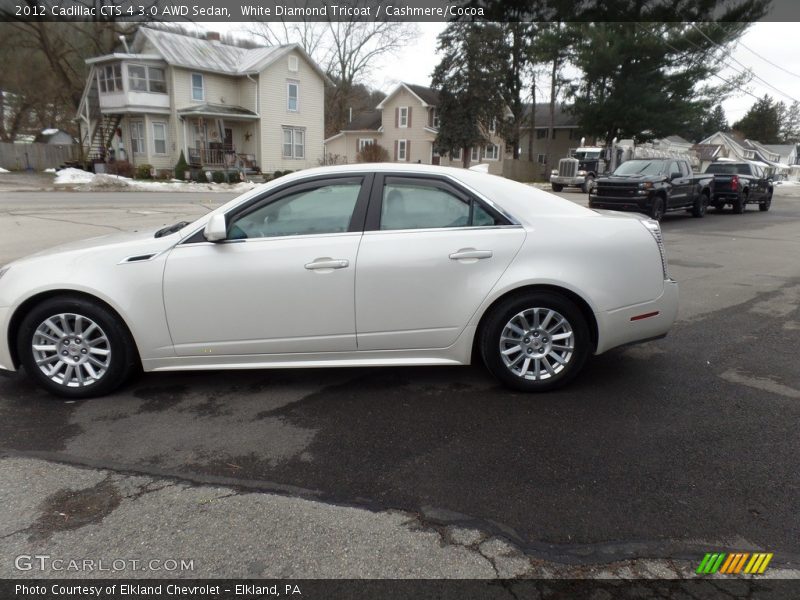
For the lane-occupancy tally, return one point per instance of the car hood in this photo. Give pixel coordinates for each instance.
(118, 246)
(632, 178)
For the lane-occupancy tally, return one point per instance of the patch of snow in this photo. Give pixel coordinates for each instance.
(49, 170)
(49, 131)
(73, 176)
(2, 170)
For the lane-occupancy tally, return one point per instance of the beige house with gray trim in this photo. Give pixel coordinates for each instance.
(223, 106)
(406, 123)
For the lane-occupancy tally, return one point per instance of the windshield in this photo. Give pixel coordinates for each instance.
(584, 155)
(728, 169)
(642, 167)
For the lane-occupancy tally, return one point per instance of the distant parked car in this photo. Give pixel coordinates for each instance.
(740, 184)
(357, 265)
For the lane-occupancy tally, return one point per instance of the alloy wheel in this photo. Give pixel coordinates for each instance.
(537, 344)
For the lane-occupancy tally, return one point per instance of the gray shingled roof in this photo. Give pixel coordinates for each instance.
(562, 118)
(370, 120)
(204, 55)
(218, 109)
(428, 95)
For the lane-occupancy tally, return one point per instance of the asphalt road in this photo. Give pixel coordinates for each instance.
(656, 450)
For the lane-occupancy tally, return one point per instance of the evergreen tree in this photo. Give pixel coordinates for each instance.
(762, 122)
(469, 80)
(790, 124)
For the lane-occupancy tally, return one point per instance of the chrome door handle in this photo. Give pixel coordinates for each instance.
(327, 263)
(470, 253)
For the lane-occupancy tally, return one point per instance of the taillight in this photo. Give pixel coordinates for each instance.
(735, 183)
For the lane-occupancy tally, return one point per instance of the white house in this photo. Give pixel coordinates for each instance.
(221, 105)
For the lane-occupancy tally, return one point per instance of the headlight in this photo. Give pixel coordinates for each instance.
(3, 271)
(554, 172)
(581, 173)
(647, 185)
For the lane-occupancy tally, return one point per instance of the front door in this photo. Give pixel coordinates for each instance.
(433, 255)
(282, 282)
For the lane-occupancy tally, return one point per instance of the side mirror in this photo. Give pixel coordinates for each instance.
(216, 229)
(675, 175)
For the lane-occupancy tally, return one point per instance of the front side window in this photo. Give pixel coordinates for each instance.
(137, 137)
(421, 205)
(198, 87)
(324, 209)
(292, 96)
(294, 142)
(160, 138)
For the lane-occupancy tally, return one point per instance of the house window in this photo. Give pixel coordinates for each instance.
(146, 79)
(403, 117)
(402, 149)
(198, 87)
(455, 154)
(294, 142)
(293, 64)
(110, 78)
(541, 134)
(475, 154)
(160, 138)
(137, 137)
(435, 118)
(491, 152)
(292, 96)
(364, 142)
(541, 159)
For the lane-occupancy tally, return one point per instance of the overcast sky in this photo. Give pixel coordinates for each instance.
(776, 42)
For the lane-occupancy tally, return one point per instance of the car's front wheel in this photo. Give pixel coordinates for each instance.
(536, 341)
(557, 187)
(75, 348)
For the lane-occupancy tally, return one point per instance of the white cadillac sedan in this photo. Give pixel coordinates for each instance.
(345, 266)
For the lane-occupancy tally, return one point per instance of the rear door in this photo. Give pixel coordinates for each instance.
(430, 254)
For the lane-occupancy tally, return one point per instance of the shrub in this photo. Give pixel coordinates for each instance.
(181, 167)
(120, 167)
(372, 153)
(144, 172)
(219, 177)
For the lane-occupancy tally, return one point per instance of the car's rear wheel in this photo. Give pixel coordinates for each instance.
(700, 206)
(764, 206)
(75, 348)
(740, 203)
(588, 184)
(557, 187)
(535, 342)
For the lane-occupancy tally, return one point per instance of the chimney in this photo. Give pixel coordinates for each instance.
(212, 36)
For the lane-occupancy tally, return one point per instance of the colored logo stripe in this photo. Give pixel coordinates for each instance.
(732, 564)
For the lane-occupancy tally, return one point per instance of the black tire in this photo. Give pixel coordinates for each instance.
(764, 206)
(505, 311)
(740, 203)
(557, 187)
(121, 359)
(657, 209)
(588, 184)
(700, 206)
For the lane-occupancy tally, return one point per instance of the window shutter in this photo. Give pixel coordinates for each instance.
(395, 149)
(409, 116)
(408, 142)
(396, 117)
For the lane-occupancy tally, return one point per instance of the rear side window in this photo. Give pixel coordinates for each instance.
(417, 204)
(729, 169)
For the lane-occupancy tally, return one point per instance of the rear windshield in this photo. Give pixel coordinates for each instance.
(642, 167)
(728, 169)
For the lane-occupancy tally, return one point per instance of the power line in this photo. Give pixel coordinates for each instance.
(769, 61)
(764, 81)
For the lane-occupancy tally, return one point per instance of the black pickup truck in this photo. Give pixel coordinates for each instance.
(740, 184)
(654, 186)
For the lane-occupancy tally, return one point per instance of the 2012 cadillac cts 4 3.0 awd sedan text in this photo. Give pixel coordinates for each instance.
(345, 266)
